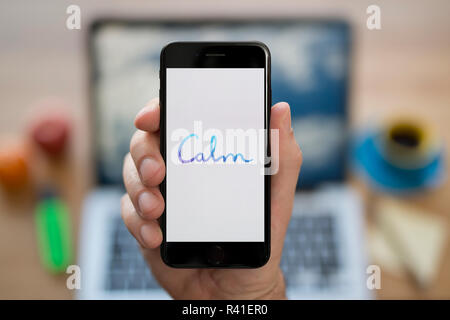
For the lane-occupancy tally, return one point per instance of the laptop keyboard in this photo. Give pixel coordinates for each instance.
(310, 256)
(127, 268)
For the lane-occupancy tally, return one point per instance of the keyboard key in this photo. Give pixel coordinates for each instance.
(309, 256)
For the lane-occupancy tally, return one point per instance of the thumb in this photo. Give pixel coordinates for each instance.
(284, 181)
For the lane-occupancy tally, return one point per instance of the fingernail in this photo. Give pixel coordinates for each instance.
(148, 168)
(287, 117)
(147, 235)
(144, 110)
(147, 202)
(283, 108)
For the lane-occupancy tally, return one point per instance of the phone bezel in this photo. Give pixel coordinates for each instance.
(216, 55)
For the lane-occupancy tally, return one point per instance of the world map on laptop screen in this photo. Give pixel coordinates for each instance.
(310, 71)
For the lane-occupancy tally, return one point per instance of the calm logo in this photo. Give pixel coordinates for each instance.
(224, 146)
(211, 157)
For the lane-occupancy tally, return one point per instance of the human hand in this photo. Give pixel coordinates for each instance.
(144, 170)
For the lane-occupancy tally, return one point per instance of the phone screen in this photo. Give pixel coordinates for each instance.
(215, 154)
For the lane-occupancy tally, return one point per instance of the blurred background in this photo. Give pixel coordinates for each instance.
(371, 111)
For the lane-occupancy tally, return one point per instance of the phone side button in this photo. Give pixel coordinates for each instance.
(215, 255)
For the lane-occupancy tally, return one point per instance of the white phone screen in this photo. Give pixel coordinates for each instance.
(215, 154)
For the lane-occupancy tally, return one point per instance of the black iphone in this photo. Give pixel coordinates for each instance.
(215, 102)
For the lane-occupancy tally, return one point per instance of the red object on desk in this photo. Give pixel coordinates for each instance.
(51, 133)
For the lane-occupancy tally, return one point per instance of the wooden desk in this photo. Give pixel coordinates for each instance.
(403, 68)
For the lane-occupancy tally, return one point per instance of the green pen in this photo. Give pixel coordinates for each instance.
(53, 232)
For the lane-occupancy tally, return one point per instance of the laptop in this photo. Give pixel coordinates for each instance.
(323, 255)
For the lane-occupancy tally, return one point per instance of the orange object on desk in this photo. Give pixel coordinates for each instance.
(14, 171)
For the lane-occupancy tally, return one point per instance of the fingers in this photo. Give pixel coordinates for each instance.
(148, 118)
(144, 149)
(149, 236)
(285, 180)
(147, 233)
(147, 201)
(144, 203)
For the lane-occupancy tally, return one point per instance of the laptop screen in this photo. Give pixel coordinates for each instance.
(310, 71)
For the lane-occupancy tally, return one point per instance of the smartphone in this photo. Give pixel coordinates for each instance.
(215, 100)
